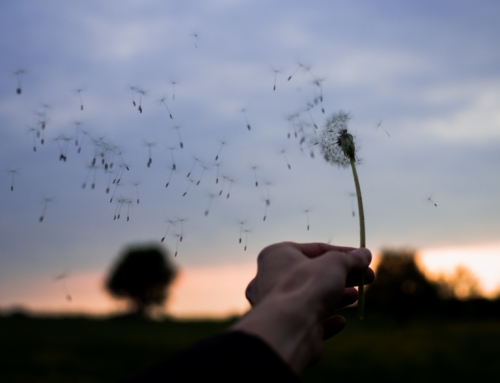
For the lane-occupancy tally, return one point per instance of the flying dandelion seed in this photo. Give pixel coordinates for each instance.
(91, 168)
(254, 168)
(129, 204)
(192, 167)
(338, 147)
(352, 196)
(196, 37)
(136, 184)
(222, 143)
(308, 110)
(133, 89)
(34, 132)
(267, 201)
(430, 199)
(317, 82)
(13, 173)
(231, 181)
(307, 211)
(164, 103)
(379, 125)
(170, 223)
(172, 148)
(177, 129)
(117, 184)
(246, 238)
(241, 223)
(79, 91)
(172, 170)
(276, 71)
(62, 143)
(119, 204)
(142, 93)
(191, 182)
(283, 153)
(62, 278)
(150, 145)
(300, 65)
(201, 175)
(181, 220)
(244, 111)
(224, 178)
(211, 197)
(110, 177)
(19, 75)
(84, 134)
(178, 239)
(46, 202)
(173, 90)
(217, 166)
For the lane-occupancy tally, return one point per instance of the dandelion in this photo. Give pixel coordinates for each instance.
(338, 147)
(430, 200)
(162, 101)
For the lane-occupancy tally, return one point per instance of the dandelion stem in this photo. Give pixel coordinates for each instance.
(362, 238)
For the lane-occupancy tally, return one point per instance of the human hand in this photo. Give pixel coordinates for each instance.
(295, 293)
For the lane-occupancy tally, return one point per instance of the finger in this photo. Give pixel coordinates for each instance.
(350, 297)
(315, 249)
(353, 278)
(332, 326)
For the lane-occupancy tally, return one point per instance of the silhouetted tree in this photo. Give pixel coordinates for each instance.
(400, 287)
(142, 274)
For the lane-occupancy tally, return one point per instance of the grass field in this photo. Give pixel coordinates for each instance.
(108, 350)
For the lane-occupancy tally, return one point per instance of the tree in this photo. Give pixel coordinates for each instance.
(142, 274)
(400, 287)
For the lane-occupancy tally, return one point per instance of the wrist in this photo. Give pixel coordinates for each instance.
(286, 325)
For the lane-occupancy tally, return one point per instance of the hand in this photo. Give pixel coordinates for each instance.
(295, 293)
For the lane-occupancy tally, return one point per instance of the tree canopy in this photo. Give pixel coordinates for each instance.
(142, 274)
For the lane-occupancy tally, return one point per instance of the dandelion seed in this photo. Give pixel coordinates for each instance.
(276, 71)
(19, 74)
(241, 223)
(79, 91)
(62, 143)
(222, 143)
(172, 170)
(117, 184)
(379, 125)
(62, 278)
(133, 89)
(119, 203)
(181, 220)
(283, 153)
(129, 203)
(231, 181)
(211, 197)
(295, 71)
(141, 93)
(352, 195)
(150, 145)
(307, 211)
(192, 167)
(177, 129)
(317, 82)
(201, 176)
(430, 200)
(177, 236)
(196, 37)
(46, 202)
(191, 182)
(35, 132)
(308, 110)
(170, 223)
(163, 101)
(246, 238)
(136, 184)
(217, 165)
(244, 111)
(110, 172)
(338, 147)
(13, 173)
(92, 168)
(173, 92)
(254, 168)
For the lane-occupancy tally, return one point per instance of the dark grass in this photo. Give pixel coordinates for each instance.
(377, 349)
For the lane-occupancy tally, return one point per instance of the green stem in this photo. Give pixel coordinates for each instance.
(362, 240)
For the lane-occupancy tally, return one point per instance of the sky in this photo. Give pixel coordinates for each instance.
(421, 82)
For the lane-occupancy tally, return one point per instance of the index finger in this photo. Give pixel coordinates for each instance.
(315, 249)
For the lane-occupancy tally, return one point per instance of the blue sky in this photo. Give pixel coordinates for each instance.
(430, 72)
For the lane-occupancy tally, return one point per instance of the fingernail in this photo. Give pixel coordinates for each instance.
(364, 254)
